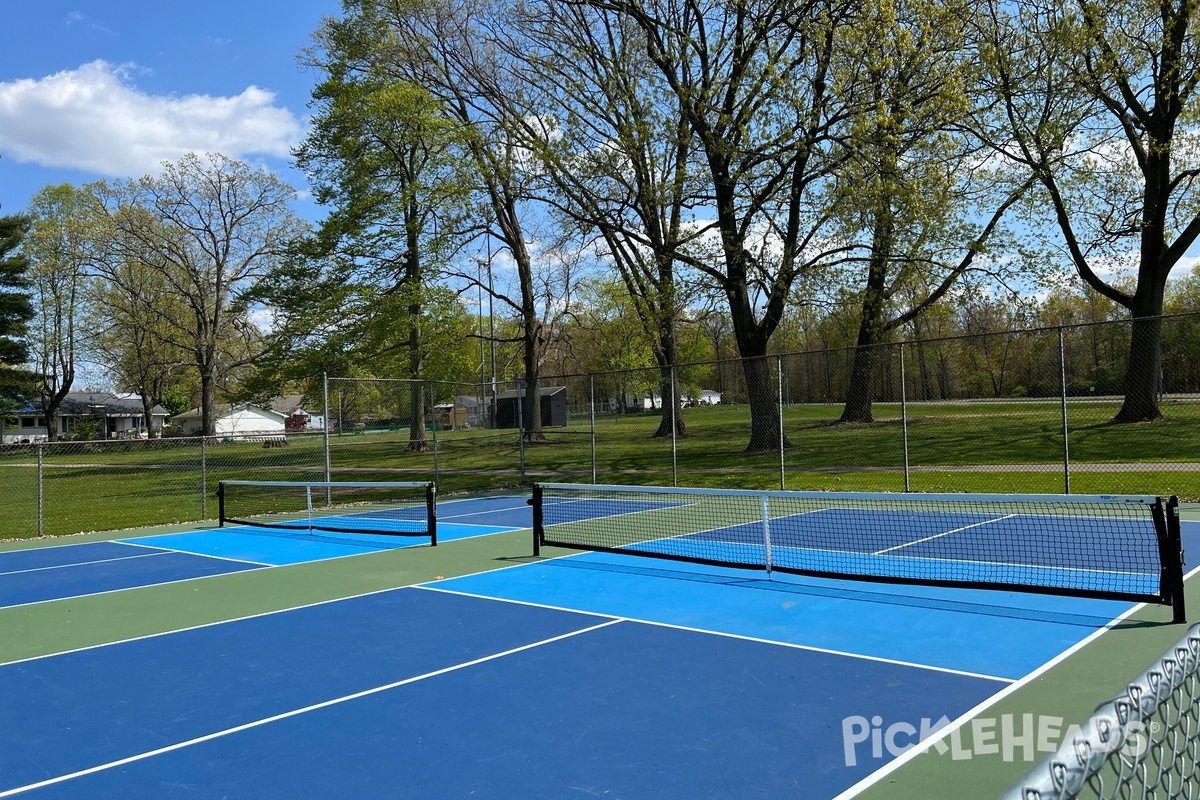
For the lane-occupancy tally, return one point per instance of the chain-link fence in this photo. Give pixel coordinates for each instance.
(1019, 411)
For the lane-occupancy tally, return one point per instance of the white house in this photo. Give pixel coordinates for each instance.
(115, 416)
(238, 420)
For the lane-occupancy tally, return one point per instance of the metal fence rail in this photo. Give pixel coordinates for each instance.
(1013, 412)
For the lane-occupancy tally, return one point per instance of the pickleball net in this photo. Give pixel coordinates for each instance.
(346, 507)
(1114, 547)
(1144, 743)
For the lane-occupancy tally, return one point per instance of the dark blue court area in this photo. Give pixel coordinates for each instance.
(32, 576)
(423, 694)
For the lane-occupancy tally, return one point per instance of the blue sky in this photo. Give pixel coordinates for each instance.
(112, 89)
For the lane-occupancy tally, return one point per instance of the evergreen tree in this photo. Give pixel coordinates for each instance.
(15, 310)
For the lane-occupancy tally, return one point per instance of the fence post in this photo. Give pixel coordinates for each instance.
(203, 477)
(1062, 370)
(782, 460)
(674, 422)
(325, 422)
(40, 498)
(521, 427)
(592, 411)
(434, 427)
(904, 418)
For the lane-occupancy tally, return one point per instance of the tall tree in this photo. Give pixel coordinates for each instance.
(457, 49)
(382, 154)
(753, 80)
(1100, 100)
(16, 311)
(619, 155)
(134, 315)
(214, 227)
(64, 246)
(913, 190)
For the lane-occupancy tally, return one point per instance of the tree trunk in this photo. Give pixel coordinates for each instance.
(857, 407)
(208, 400)
(148, 413)
(764, 407)
(667, 356)
(1142, 371)
(416, 419)
(531, 406)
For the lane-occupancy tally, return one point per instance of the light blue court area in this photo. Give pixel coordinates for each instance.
(457, 519)
(53, 573)
(1000, 634)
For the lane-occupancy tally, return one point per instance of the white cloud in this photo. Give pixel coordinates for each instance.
(96, 120)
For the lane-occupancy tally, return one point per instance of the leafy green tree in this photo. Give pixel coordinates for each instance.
(383, 155)
(754, 83)
(460, 51)
(620, 157)
(134, 314)
(1100, 101)
(911, 191)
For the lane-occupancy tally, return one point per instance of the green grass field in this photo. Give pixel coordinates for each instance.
(1013, 446)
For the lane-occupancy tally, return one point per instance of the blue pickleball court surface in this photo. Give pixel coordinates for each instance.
(589, 675)
(77, 570)
(424, 694)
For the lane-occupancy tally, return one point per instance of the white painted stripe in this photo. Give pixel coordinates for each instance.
(296, 712)
(943, 533)
(792, 645)
(110, 591)
(200, 555)
(86, 563)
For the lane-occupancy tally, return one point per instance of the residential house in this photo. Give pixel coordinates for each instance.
(115, 416)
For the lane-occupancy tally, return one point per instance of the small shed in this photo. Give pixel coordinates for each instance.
(452, 415)
(553, 403)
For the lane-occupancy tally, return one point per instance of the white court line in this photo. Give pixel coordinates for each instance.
(657, 507)
(111, 591)
(175, 551)
(944, 733)
(296, 712)
(943, 533)
(743, 637)
(160, 552)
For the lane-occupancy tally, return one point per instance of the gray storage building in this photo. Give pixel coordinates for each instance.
(553, 402)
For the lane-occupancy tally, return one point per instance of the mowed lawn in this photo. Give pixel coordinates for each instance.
(1011, 446)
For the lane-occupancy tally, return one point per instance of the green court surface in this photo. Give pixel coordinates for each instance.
(1066, 692)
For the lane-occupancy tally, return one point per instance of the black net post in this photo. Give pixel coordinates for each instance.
(221, 504)
(538, 530)
(431, 508)
(1171, 554)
